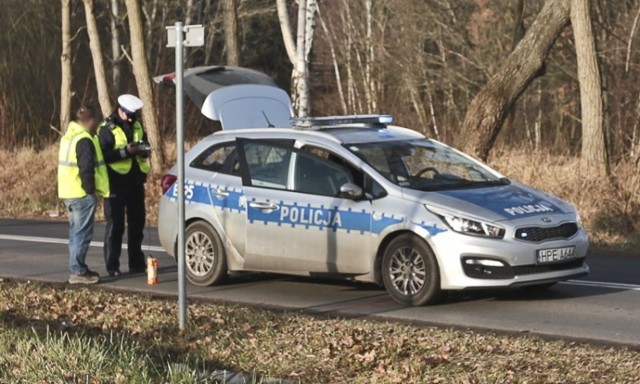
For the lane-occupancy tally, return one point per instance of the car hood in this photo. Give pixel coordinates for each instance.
(506, 202)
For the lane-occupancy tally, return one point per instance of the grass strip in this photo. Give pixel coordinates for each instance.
(58, 334)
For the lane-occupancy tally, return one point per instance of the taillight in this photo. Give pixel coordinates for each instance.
(167, 181)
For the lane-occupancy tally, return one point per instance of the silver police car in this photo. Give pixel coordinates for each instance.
(358, 198)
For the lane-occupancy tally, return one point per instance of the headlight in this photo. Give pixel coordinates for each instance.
(471, 227)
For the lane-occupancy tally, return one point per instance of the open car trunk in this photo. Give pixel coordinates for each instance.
(236, 97)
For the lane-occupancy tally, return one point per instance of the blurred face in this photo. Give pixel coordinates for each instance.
(126, 116)
(91, 124)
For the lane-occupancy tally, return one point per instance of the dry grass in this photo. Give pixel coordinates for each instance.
(609, 209)
(29, 185)
(270, 343)
(28, 181)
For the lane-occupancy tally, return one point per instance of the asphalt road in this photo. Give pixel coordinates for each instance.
(605, 307)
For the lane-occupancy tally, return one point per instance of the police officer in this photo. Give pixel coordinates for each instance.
(126, 152)
(82, 175)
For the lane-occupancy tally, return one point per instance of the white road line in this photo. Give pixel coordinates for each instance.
(52, 240)
(602, 284)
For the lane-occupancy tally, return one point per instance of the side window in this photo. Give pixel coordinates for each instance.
(357, 176)
(374, 189)
(221, 158)
(268, 164)
(316, 171)
(318, 176)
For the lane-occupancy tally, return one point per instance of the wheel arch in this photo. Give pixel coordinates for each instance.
(382, 247)
(212, 277)
(187, 223)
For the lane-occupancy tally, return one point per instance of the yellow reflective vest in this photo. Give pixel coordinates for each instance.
(123, 166)
(69, 184)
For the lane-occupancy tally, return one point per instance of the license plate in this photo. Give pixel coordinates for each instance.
(555, 255)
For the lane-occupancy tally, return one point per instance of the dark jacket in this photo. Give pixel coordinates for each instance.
(107, 143)
(87, 163)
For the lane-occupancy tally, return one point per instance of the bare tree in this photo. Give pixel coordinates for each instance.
(65, 59)
(230, 21)
(594, 151)
(490, 106)
(188, 12)
(115, 46)
(98, 60)
(143, 81)
(298, 50)
(334, 59)
(354, 31)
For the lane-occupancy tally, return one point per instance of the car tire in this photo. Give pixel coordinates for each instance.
(205, 258)
(410, 271)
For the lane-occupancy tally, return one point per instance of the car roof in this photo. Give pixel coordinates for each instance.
(347, 134)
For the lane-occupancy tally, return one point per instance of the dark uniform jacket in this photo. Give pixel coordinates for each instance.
(107, 143)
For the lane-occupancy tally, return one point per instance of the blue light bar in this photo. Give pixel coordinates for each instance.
(334, 121)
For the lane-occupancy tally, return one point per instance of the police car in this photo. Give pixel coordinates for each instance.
(359, 198)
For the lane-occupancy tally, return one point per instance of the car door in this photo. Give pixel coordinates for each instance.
(296, 220)
(218, 166)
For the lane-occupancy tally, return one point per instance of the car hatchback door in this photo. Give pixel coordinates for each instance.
(296, 220)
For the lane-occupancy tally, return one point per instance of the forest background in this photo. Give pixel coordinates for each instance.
(423, 61)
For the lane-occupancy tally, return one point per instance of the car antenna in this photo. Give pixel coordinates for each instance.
(268, 122)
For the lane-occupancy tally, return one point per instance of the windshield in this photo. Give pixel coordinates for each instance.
(424, 165)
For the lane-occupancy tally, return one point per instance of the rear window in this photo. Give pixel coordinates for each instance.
(220, 158)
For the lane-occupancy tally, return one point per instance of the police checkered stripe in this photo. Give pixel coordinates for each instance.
(309, 216)
(379, 224)
(299, 215)
(202, 194)
(385, 216)
(433, 229)
(230, 203)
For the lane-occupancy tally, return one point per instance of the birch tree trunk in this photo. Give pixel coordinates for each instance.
(298, 50)
(143, 82)
(230, 27)
(188, 12)
(489, 108)
(287, 32)
(116, 84)
(65, 61)
(98, 59)
(300, 76)
(369, 81)
(334, 58)
(593, 157)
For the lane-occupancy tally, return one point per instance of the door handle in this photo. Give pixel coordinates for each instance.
(221, 193)
(263, 205)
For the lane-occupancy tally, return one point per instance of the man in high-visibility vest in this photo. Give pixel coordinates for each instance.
(126, 152)
(82, 176)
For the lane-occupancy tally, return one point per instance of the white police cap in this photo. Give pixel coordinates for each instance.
(130, 103)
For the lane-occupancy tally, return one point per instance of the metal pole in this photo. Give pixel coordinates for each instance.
(182, 288)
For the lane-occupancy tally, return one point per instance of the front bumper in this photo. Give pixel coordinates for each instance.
(515, 261)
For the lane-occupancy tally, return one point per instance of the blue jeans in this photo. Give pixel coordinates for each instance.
(81, 214)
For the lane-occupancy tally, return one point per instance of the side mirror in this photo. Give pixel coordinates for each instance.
(351, 191)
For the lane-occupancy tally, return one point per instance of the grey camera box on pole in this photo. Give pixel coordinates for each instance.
(180, 36)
